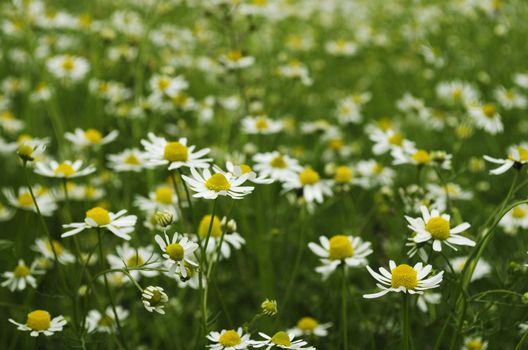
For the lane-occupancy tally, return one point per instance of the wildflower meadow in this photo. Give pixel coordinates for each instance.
(264, 174)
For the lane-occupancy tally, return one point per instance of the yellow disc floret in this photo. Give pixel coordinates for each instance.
(164, 195)
(307, 324)
(175, 152)
(203, 228)
(25, 199)
(21, 271)
(39, 320)
(438, 227)
(132, 160)
(278, 162)
(261, 124)
(135, 261)
(218, 182)
(56, 246)
(489, 111)
(404, 276)
(175, 251)
(99, 215)
(421, 157)
(519, 212)
(229, 338)
(343, 174)
(245, 169)
(309, 176)
(65, 169)
(93, 136)
(281, 338)
(340, 248)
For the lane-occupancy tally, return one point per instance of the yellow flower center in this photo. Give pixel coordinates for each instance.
(38, 320)
(234, 55)
(175, 152)
(68, 64)
(99, 215)
(93, 136)
(281, 338)
(421, 157)
(307, 324)
(396, 139)
(519, 212)
(163, 83)
(132, 160)
(203, 228)
(438, 227)
(523, 154)
(58, 247)
(90, 192)
(65, 169)
(135, 261)
(164, 195)
(404, 276)
(262, 124)
(474, 344)
(489, 111)
(335, 144)
(309, 176)
(25, 199)
(378, 168)
(340, 248)
(229, 338)
(105, 321)
(278, 162)
(343, 174)
(21, 271)
(218, 182)
(23, 138)
(457, 93)
(245, 169)
(175, 251)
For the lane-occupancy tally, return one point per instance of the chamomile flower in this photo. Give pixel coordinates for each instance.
(341, 47)
(440, 194)
(261, 125)
(210, 186)
(127, 160)
(349, 250)
(68, 67)
(487, 118)
(43, 246)
(162, 199)
(231, 238)
(22, 199)
(518, 156)
(275, 165)
(5, 213)
(372, 173)
(174, 154)
(404, 278)
(280, 340)
(229, 339)
(101, 218)
(166, 85)
(510, 98)
(308, 326)
(295, 69)
(64, 170)
(129, 257)
(515, 219)
(436, 227)
(105, 322)
(457, 92)
(418, 157)
(154, 299)
(21, 276)
(389, 140)
(313, 188)
(177, 251)
(235, 59)
(243, 169)
(482, 269)
(90, 137)
(40, 322)
(474, 343)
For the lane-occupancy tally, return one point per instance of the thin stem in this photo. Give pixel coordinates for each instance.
(521, 342)
(203, 263)
(344, 313)
(405, 322)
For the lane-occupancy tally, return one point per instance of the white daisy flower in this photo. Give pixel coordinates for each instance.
(43, 246)
(163, 199)
(436, 227)
(341, 47)
(389, 140)
(130, 257)
(510, 98)
(228, 339)
(243, 169)
(175, 154)
(457, 92)
(177, 252)
(105, 323)
(236, 60)
(372, 173)
(349, 109)
(518, 156)
(98, 217)
(308, 326)
(437, 193)
(521, 80)
(487, 118)
(280, 340)
(39, 321)
(127, 160)
(68, 67)
(482, 269)
(90, 137)
(210, 186)
(515, 219)
(261, 125)
(154, 299)
(313, 188)
(21, 276)
(9, 123)
(231, 239)
(5, 213)
(82, 192)
(474, 343)
(66, 169)
(404, 278)
(278, 166)
(294, 69)
(340, 248)
(23, 200)
(166, 85)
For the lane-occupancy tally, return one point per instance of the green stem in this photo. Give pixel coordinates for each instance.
(344, 313)
(521, 342)
(405, 322)
(203, 263)
(188, 196)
